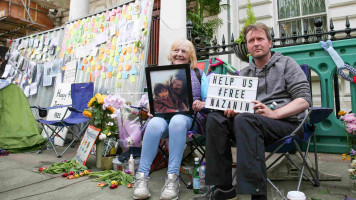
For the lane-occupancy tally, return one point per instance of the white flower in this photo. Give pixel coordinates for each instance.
(353, 164)
(102, 136)
(351, 170)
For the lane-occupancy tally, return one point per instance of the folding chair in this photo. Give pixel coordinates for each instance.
(291, 143)
(81, 93)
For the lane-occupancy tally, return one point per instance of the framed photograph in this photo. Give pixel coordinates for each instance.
(169, 90)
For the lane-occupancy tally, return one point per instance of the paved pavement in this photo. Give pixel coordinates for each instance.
(18, 180)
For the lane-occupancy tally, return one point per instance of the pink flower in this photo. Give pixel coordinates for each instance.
(349, 118)
(114, 101)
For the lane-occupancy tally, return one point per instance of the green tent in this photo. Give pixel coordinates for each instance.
(18, 128)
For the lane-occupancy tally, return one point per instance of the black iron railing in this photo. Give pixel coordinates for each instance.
(206, 48)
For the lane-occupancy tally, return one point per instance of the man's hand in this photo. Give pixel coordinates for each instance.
(230, 113)
(198, 105)
(262, 109)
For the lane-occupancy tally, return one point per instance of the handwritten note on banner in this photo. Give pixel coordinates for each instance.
(86, 144)
(62, 96)
(231, 93)
(69, 74)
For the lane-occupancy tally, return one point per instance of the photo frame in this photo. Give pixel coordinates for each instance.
(169, 90)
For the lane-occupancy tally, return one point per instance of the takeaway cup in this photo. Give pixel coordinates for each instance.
(296, 195)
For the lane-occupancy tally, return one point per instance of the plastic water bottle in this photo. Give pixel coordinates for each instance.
(196, 181)
(273, 105)
(202, 171)
(131, 165)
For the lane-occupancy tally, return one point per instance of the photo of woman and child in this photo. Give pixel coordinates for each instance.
(170, 96)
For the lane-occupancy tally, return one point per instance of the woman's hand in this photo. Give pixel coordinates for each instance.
(198, 105)
(262, 109)
(148, 111)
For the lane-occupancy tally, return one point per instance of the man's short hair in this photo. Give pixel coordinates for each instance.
(257, 26)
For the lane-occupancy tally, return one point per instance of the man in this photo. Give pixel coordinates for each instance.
(280, 80)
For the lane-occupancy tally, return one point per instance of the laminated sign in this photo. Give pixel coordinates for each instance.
(231, 93)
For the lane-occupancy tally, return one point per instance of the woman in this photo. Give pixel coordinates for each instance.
(182, 52)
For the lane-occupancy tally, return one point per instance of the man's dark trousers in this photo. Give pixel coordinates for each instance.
(252, 133)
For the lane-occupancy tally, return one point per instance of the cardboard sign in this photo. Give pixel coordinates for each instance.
(231, 93)
(86, 144)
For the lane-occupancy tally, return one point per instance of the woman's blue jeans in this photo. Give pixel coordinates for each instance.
(176, 129)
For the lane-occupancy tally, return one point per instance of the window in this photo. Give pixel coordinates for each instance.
(300, 13)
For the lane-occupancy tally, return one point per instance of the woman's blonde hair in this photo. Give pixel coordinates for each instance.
(189, 48)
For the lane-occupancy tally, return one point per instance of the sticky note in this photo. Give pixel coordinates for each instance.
(101, 56)
(107, 51)
(119, 75)
(129, 50)
(99, 67)
(129, 17)
(111, 59)
(145, 25)
(117, 33)
(141, 57)
(109, 75)
(128, 57)
(134, 59)
(92, 68)
(119, 68)
(110, 68)
(102, 50)
(85, 61)
(117, 58)
(121, 60)
(113, 47)
(123, 11)
(112, 53)
(132, 71)
(97, 74)
(135, 50)
(103, 75)
(104, 69)
(132, 79)
(105, 58)
(88, 69)
(123, 51)
(129, 8)
(127, 67)
(125, 75)
(114, 40)
(114, 63)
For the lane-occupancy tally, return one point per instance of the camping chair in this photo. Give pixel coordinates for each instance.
(81, 93)
(291, 143)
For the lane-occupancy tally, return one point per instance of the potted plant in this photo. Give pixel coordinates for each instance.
(240, 48)
(197, 10)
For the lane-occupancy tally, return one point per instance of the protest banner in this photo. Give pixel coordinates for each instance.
(228, 92)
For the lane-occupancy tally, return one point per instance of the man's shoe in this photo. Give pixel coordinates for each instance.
(141, 187)
(224, 193)
(170, 189)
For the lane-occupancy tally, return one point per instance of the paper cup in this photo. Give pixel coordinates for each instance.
(296, 195)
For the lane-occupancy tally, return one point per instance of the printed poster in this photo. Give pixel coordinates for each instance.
(86, 144)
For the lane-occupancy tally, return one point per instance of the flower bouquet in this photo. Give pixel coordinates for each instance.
(102, 111)
(350, 129)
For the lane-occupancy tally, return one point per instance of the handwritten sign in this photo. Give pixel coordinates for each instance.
(231, 93)
(62, 96)
(86, 144)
